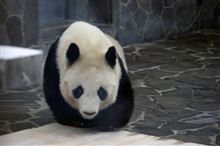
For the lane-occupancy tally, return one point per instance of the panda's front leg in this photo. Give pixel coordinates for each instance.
(114, 117)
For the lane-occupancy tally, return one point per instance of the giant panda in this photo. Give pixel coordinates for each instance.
(86, 82)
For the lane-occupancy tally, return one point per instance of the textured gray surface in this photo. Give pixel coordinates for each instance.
(177, 91)
(153, 20)
(20, 70)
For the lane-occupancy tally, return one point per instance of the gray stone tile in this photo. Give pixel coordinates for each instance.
(214, 51)
(173, 114)
(216, 114)
(27, 96)
(143, 103)
(205, 73)
(145, 91)
(181, 126)
(158, 60)
(213, 65)
(152, 131)
(21, 126)
(19, 103)
(44, 113)
(43, 120)
(13, 116)
(205, 94)
(158, 74)
(158, 83)
(14, 108)
(201, 119)
(208, 131)
(149, 121)
(29, 88)
(155, 50)
(196, 80)
(193, 138)
(169, 104)
(182, 93)
(180, 66)
(204, 106)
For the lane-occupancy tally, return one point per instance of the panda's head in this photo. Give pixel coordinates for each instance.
(89, 72)
(90, 85)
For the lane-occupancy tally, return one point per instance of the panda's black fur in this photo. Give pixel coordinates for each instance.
(113, 117)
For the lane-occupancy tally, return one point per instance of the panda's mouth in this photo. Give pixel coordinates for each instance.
(88, 114)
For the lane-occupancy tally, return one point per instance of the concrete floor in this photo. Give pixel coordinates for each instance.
(177, 91)
(59, 135)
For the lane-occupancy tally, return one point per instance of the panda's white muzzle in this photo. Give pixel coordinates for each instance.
(89, 107)
(88, 114)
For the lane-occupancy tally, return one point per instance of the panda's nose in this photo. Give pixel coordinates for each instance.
(89, 113)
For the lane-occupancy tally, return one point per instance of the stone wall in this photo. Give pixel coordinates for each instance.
(151, 20)
(103, 13)
(133, 21)
(18, 22)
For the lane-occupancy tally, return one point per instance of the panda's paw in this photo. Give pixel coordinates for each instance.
(107, 128)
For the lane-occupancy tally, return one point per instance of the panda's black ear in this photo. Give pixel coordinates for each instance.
(72, 53)
(110, 56)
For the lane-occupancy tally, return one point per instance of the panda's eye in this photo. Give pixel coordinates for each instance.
(77, 92)
(102, 93)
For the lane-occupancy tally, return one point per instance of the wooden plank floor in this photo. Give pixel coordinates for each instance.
(56, 134)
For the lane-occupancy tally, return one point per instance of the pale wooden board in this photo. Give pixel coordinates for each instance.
(56, 134)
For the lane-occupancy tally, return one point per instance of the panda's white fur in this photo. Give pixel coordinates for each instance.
(90, 70)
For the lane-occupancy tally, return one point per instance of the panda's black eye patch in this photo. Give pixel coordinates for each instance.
(78, 91)
(102, 93)
(72, 53)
